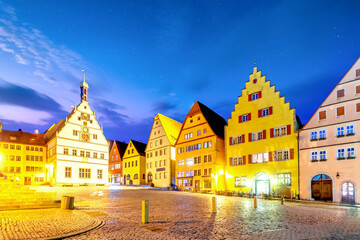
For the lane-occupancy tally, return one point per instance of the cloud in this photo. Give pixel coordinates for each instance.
(21, 60)
(44, 76)
(164, 106)
(5, 48)
(23, 114)
(108, 113)
(16, 95)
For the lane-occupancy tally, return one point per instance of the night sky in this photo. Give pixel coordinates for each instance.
(145, 57)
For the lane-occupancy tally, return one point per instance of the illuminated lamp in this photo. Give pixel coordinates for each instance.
(221, 172)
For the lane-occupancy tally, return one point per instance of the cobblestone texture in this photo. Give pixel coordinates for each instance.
(177, 215)
(41, 223)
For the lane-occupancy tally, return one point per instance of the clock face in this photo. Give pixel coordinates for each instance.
(85, 129)
(85, 116)
(85, 137)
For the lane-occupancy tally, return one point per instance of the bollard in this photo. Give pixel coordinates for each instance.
(255, 202)
(63, 202)
(291, 195)
(67, 202)
(145, 212)
(295, 196)
(282, 199)
(214, 205)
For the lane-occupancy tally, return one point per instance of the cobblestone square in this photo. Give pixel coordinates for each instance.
(181, 215)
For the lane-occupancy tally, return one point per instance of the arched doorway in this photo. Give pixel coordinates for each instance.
(321, 187)
(348, 192)
(150, 177)
(262, 184)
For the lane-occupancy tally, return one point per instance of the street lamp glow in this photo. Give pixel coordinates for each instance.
(221, 172)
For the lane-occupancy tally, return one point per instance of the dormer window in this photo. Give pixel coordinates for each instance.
(254, 96)
(340, 93)
(357, 73)
(12, 138)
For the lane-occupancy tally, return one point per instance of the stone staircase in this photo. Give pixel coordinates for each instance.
(14, 196)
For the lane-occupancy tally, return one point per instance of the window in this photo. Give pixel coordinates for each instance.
(197, 160)
(102, 156)
(12, 158)
(18, 147)
(199, 132)
(282, 155)
(254, 96)
(341, 153)
(313, 135)
(132, 150)
(12, 146)
(95, 136)
(357, 73)
(322, 134)
(181, 162)
(100, 174)
(260, 157)
(189, 135)
(237, 139)
(237, 161)
(208, 183)
(244, 118)
(340, 111)
(189, 161)
(314, 156)
(265, 112)
(280, 131)
(164, 162)
(204, 130)
(87, 154)
(322, 155)
(18, 169)
(82, 154)
(74, 152)
(322, 115)
(151, 144)
(66, 151)
(18, 158)
(85, 173)
(207, 158)
(350, 130)
(207, 144)
(165, 175)
(256, 136)
(340, 93)
(94, 155)
(340, 131)
(284, 179)
(6, 146)
(350, 152)
(165, 151)
(75, 132)
(67, 172)
(156, 143)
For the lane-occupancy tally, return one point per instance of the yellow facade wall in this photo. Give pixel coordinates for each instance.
(244, 175)
(197, 125)
(133, 166)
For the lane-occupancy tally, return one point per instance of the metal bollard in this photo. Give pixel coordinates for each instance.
(145, 212)
(282, 199)
(67, 202)
(214, 205)
(255, 202)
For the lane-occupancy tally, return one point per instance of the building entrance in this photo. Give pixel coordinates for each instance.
(321, 187)
(348, 193)
(262, 184)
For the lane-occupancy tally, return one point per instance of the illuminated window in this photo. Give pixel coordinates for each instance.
(74, 152)
(67, 172)
(208, 183)
(87, 154)
(284, 179)
(282, 155)
(82, 154)
(189, 161)
(66, 151)
(85, 173)
(102, 156)
(94, 155)
(240, 181)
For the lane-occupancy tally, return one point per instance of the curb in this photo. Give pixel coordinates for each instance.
(97, 224)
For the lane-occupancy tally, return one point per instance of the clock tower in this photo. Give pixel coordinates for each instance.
(84, 90)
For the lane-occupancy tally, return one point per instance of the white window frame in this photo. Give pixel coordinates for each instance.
(245, 117)
(344, 153)
(341, 115)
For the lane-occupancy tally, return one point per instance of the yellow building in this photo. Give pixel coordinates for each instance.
(160, 151)
(23, 157)
(134, 163)
(262, 141)
(200, 153)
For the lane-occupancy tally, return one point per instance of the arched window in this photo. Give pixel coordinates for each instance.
(136, 176)
(128, 177)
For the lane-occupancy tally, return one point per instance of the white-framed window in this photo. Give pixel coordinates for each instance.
(199, 132)
(67, 172)
(280, 131)
(350, 152)
(207, 144)
(314, 156)
(237, 161)
(260, 157)
(240, 181)
(350, 130)
(256, 136)
(85, 173)
(323, 155)
(254, 96)
(99, 174)
(264, 112)
(180, 174)
(189, 135)
(66, 151)
(181, 162)
(284, 178)
(244, 118)
(341, 153)
(322, 134)
(282, 155)
(314, 135)
(189, 161)
(237, 139)
(339, 131)
(207, 158)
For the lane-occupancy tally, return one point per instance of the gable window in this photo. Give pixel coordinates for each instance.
(95, 136)
(322, 115)
(265, 112)
(199, 132)
(357, 72)
(350, 130)
(245, 117)
(340, 93)
(254, 96)
(322, 135)
(340, 131)
(340, 111)
(313, 136)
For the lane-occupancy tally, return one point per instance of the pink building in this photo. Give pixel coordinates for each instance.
(330, 143)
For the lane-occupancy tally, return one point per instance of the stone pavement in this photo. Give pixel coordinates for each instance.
(178, 215)
(43, 223)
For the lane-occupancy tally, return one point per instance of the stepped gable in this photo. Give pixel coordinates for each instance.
(22, 137)
(140, 147)
(172, 128)
(121, 147)
(216, 122)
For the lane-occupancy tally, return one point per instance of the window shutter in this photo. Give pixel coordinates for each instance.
(230, 141)
(240, 119)
(249, 137)
(230, 161)
(322, 115)
(270, 110)
(340, 111)
(249, 159)
(249, 97)
(291, 153)
(243, 138)
(358, 88)
(340, 93)
(244, 160)
(259, 94)
(358, 107)
(249, 116)
(271, 132)
(357, 74)
(288, 129)
(270, 156)
(259, 113)
(264, 134)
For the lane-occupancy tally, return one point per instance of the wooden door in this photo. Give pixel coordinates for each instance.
(197, 185)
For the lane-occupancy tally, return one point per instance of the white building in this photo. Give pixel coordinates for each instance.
(78, 152)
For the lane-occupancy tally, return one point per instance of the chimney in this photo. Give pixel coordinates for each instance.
(20, 130)
(72, 108)
(36, 131)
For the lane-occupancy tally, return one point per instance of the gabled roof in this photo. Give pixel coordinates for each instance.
(139, 146)
(22, 137)
(51, 132)
(171, 127)
(216, 122)
(121, 147)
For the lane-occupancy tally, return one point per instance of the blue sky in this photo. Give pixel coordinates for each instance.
(145, 57)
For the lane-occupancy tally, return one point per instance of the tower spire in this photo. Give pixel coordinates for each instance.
(84, 88)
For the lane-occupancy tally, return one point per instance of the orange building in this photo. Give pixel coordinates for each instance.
(200, 153)
(115, 162)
